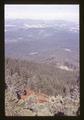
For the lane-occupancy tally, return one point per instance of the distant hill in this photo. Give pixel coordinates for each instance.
(47, 38)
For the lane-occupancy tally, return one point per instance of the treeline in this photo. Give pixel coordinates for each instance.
(39, 77)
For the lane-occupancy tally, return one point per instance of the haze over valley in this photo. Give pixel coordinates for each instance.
(39, 40)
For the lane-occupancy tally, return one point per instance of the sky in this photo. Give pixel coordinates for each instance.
(44, 12)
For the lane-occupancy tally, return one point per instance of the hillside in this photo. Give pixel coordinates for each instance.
(40, 89)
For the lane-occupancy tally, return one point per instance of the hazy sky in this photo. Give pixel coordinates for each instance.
(63, 12)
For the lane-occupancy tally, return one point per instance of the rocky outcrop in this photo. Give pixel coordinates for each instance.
(31, 103)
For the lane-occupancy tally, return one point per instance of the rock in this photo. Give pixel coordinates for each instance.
(20, 102)
(59, 114)
(26, 112)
